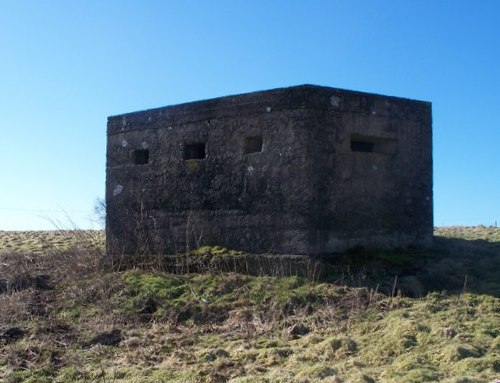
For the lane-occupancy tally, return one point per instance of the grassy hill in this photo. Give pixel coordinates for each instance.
(365, 316)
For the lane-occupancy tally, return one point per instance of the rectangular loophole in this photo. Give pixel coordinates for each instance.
(370, 144)
(361, 146)
(253, 144)
(194, 151)
(141, 156)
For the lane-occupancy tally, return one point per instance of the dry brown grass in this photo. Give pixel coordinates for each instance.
(79, 321)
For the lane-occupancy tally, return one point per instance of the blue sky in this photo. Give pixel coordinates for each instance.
(67, 65)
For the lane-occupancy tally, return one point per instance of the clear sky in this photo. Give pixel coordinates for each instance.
(67, 65)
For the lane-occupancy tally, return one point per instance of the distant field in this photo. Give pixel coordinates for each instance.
(38, 242)
(365, 316)
(487, 233)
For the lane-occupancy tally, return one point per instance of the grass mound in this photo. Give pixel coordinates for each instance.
(402, 316)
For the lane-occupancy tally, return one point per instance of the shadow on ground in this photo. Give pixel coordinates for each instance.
(452, 265)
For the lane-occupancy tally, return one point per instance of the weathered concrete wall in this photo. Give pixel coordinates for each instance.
(381, 198)
(331, 169)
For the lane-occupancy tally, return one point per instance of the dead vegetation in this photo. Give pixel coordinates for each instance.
(409, 316)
